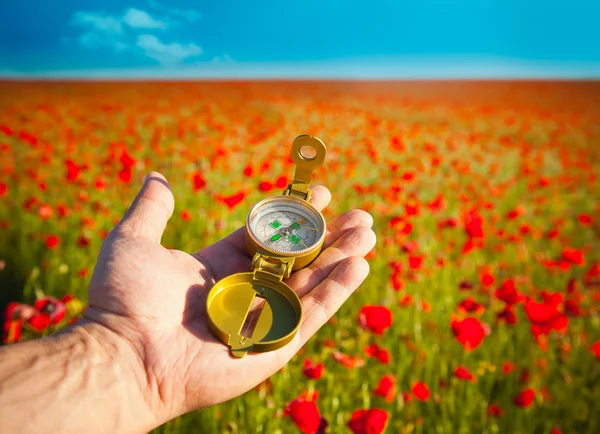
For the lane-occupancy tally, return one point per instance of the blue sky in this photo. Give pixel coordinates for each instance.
(371, 39)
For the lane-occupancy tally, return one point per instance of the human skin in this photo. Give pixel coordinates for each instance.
(143, 353)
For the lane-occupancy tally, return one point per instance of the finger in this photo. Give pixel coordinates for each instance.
(320, 198)
(148, 214)
(357, 241)
(322, 303)
(345, 222)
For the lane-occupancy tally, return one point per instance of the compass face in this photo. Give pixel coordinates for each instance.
(286, 225)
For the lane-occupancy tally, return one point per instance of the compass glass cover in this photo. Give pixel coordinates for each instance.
(286, 226)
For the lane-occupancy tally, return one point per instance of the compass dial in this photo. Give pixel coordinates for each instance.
(286, 225)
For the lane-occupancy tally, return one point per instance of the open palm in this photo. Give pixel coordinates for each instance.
(155, 299)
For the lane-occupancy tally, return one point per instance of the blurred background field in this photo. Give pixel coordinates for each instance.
(481, 311)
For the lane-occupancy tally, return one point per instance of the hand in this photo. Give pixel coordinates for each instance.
(154, 299)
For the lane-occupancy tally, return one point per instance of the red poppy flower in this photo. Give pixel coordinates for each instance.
(415, 262)
(126, 160)
(545, 316)
(386, 388)
(592, 274)
(410, 247)
(375, 318)
(198, 181)
(52, 241)
(381, 354)
(507, 315)
(408, 176)
(517, 212)
(525, 398)
(265, 186)
(448, 223)
(469, 332)
(463, 373)
(494, 410)
(437, 204)
(421, 391)
(465, 285)
(19, 311)
(470, 305)
(248, 171)
(83, 241)
(411, 208)
(471, 244)
(474, 225)
(100, 184)
(125, 175)
(39, 322)
(396, 221)
(508, 293)
(11, 331)
(233, 200)
(508, 367)
(346, 360)
(63, 211)
(406, 300)
(368, 421)
(596, 349)
(45, 211)
(72, 170)
(6, 130)
(487, 279)
(574, 256)
(54, 308)
(584, 219)
(305, 414)
(313, 370)
(281, 182)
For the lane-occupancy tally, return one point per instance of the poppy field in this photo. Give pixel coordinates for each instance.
(481, 312)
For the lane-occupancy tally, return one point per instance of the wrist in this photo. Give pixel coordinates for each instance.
(122, 364)
(83, 379)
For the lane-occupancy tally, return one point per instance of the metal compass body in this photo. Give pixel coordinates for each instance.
(286, 226)
(257, 311)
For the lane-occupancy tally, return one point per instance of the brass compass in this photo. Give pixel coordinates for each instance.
(257, 311)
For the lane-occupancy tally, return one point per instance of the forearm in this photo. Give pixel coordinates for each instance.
(82, 380)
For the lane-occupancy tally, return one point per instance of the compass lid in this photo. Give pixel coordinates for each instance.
(253, 312)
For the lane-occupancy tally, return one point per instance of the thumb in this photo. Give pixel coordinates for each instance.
(148, 214)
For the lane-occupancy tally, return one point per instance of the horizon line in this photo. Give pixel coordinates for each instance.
(372, 68)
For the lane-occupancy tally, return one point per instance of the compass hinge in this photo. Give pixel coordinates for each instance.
(272, 268)
(300, 190)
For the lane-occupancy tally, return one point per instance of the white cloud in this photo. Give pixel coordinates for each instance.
(122, 33)
(167, 54)
(226, 58)
(142, 20)
(101, 30)
(99, 21)
(190, 15)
